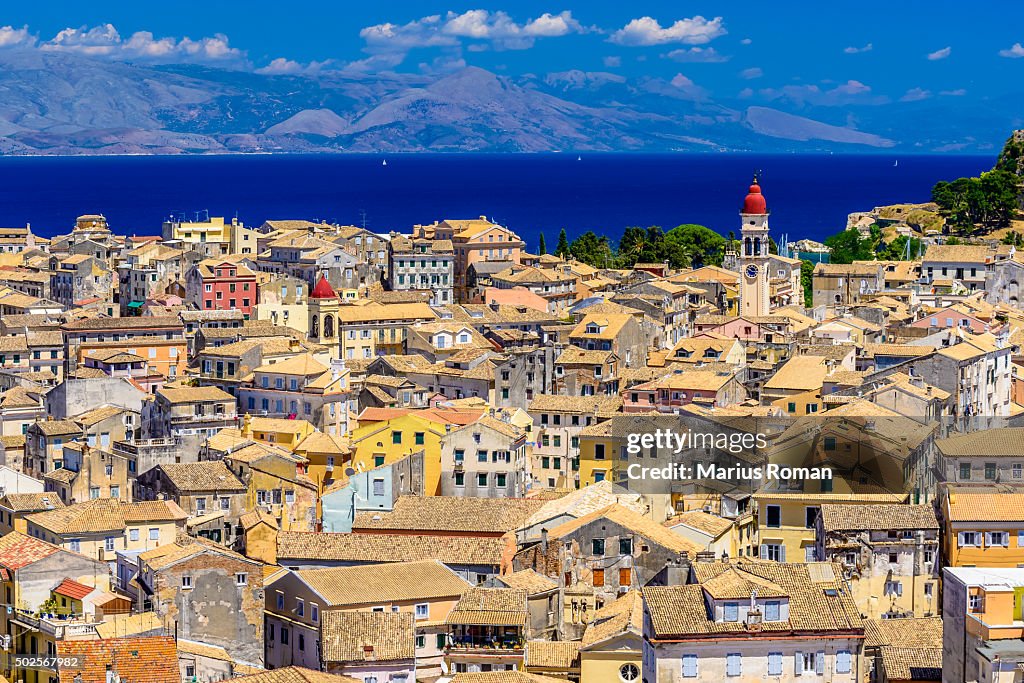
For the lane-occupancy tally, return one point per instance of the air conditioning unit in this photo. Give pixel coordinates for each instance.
(5, 641)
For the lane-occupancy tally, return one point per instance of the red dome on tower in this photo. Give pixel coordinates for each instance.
(755, 202)
(323, 290)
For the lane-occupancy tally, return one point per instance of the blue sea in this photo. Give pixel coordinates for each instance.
(809, 196)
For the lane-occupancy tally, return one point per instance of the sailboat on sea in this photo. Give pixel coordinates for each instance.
(896, 163)
(384, 163)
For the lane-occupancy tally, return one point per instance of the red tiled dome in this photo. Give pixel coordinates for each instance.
(323, 290)
(755, 202)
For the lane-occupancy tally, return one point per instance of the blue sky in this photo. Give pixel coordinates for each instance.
(821, 53)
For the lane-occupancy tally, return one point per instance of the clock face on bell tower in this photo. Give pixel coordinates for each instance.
(754, 254)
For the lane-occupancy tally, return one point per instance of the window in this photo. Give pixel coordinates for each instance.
(625, 546)
(967, 539)
(302, 641)
(300, 607)
(810, 517)
(186, 582)
(280, 600)
(423, 611)
(396, 437)
(284, 636)
(481, 479)
(965, 471)
(689, 666)
(133, 534)
(975, 604)
(421, 642)
(154, 534)
(1018, 470)
(893, 588)
(732, 664)
(774, 663)
(629, 672)
(598, 578)
(997, 538)
(241, 579)
(460, 478)
(776, 552)
(990, 470)
(597, 545)
(772, 610)
(843, 661)
(419, 437)
(830, 443)
(773, 516)
(731, 611)
(108, 543)
(502, 480)
(314, 612)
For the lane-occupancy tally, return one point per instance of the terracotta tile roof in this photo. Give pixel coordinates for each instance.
(704, 522)
(989, 443)
(151, 659)
(73, 589)
(31, 502)
(583, 501)
(575, 404)
(531, 581)
(879, 517)
(448, 513)
(294, 674)
(735, 584)
(637, 523)
(917, 632)
(130, 322)
(504, 677)
(58, 427)
(192, 394)
(490, 607)
(391, 582)
(547, 654)
(206, 475)
(912, 663)
(992, 506)
(18, 550)
(346, 636)
(105, 514)
(624, 615)
(817, 604)
(257, 516)
(293, 546)
(801, 373)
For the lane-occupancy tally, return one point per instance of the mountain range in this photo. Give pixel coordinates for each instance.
(62, 103)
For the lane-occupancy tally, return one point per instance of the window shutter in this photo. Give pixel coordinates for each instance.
(732, 664)
(764, 550)
(782, 552)
(843, 662)
(689, 666)
(819, 662)
(774, 663)
(961, 539)
(988, 538)
(798, 663)
(732, 611)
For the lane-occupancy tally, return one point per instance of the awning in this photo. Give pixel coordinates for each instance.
(136, 304)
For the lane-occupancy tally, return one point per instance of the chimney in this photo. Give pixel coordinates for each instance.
(368, 653)
(544, 541)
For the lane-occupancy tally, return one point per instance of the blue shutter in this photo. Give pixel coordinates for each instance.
(774, 663)
(771, 610)
(732, 664)
(732, 611)
(798, 663)
(689, 666)
(819, 662)
(843, 662)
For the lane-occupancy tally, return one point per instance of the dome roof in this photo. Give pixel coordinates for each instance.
(323, 290)
(755, 201)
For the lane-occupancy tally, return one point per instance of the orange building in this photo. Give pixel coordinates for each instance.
(159, 340)
(984, 526)
(473, 241)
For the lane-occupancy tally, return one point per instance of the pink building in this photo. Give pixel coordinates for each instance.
(950, 317)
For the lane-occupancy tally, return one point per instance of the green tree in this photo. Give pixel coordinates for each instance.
(542, 248)
(592, 250)
(691, 245)
(1014, 239)
(562, 250)
(807, 281)
(897, 249)
(848, 246)
(641, 245)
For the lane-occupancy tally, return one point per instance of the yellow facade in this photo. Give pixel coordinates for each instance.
(605, 665)
(383, 442)
(599, 456)
(281, 432)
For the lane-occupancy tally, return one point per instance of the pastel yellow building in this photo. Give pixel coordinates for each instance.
(278, 431)
(984, 527)
(613, 642)
(382, 442)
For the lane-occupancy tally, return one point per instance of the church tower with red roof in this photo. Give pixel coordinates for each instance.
(323, 312)
(755, 285)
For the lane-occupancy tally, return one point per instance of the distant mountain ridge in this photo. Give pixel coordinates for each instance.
(57, 103)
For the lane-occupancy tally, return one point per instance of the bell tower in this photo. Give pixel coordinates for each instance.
(755, 288)
(323, 313)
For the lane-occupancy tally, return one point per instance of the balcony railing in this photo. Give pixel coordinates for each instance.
(60, 627)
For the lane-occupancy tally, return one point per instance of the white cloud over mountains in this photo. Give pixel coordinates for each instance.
(649, 31)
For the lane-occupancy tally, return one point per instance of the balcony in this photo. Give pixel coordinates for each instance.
(475, 644)
(59, 627)
(135, 446)
(204, 417)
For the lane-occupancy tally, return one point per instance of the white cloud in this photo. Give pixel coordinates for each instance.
(851, 92)
(853, 50)
(916, 95)
(746, 41)
(106, 41)
(939, 54)
(697, 54)
(498, 28)
(612, 61)
(751, 73)
(284, 67)
(648, 31)
(1015, 51)
(681, 81)
(746, 93)
(959, 92)
(16, 37)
